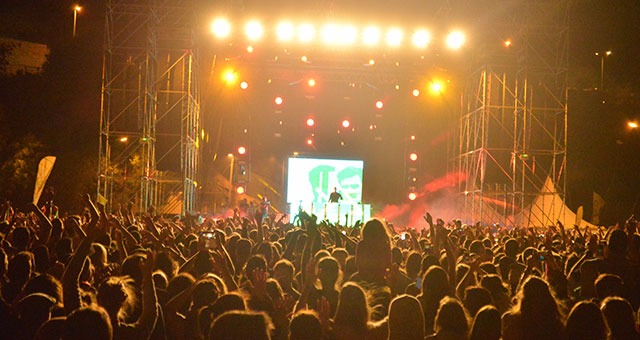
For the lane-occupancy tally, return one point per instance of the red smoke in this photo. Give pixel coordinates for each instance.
(438, 197)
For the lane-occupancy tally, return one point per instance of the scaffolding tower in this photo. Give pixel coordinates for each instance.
(512, 130)
(150, 108)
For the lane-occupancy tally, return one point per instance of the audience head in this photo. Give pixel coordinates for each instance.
(406, 320)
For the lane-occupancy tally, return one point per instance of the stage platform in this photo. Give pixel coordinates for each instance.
(346, 214)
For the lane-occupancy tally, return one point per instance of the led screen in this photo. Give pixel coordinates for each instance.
(311, 180)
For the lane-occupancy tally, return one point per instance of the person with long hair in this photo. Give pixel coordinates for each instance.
(352, 319)
(585, 322)
(536, 314)
(406, 321)
(486, 324)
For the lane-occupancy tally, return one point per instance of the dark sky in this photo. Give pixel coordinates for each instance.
(603, 154)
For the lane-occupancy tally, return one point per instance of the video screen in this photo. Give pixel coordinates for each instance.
(312, 180)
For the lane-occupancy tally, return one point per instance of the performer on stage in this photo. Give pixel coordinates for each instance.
(335, 196)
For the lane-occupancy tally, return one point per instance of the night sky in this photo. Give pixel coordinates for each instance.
(62, 108)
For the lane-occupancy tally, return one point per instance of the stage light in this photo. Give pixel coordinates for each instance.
(412, 196)
(221, 28)
(455, 40)
(413, 156)
(309, 141)
(330, 34)
(346, 123)
(304, 59)
(507, 43)
(379, 104)
(413, 137)
(244, 85)
(311, 122)
(632, 124)
(415, 92)
(306, 33)
(436, 87)
(242, 150)
(348, 35)
(125, 139)
(311, 82)
(254, 30)
(278, 100)
(394, 37)
(372, 62)
(421, 38)
(285, 31)
(371, 36)
(250, 49)
(230, 76)
(241, 189)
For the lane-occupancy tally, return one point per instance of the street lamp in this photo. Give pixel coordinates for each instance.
(76, 9)
(602, 55)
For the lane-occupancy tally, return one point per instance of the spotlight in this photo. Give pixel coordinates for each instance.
(421, 38)
(254, 30)
(455, 40)
(306, 33)
(278, 100)
(379, 104)
(348, 35)
(221, 28)
(244, 85)
(241, 189)
(311, 82)
(371, 36)
(394, 37)
(436, 87)
(415, 92)
(413, 156)
(330, 34)
(284, 31)
(229, 76)
(346, 123)
(309, 141)
(242, 150)
(304, 59)
(372, 62)
(412, 196)
(311, 122)
(250, 49)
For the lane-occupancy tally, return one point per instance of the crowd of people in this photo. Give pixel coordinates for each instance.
(99, 275)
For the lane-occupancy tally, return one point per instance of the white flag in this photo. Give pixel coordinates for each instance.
(44, 169)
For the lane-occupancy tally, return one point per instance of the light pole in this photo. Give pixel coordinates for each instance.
(76, 9)
(602, 55)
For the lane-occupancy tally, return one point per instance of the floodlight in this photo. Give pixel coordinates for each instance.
(436, 87)
(371, 36)
(254, 30)
(330, 34)
(306, 33)
(421, 38)
(394, 37)
(285, 31)
(221, 28)
(230, 76)
(348, 35)
(310, 122)
(455, 40)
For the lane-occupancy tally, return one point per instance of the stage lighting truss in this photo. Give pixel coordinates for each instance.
(337, 35)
